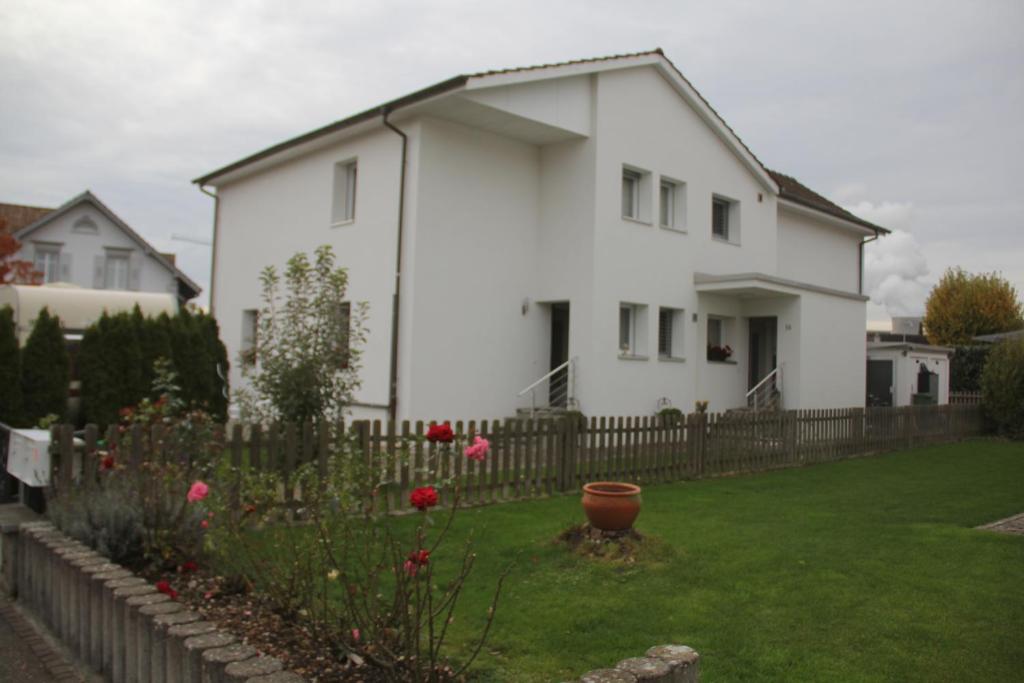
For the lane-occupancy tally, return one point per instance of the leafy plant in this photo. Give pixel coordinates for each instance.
(310, 344)
(962, 306)
(1002, 387)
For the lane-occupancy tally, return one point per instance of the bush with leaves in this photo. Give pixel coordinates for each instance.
(963, 306)
(10, 369)
(363, 581)
(310, 344)
(1002, 388)
(966, 366)
(45, 370)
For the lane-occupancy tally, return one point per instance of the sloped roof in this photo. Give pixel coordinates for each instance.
(147, 248)
(789, 188)
(792, 189)
(14, 217)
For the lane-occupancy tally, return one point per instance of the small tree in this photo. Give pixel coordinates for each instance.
(10, 369)
(45, 370)
(962, 306)
(1002, 387)
(110, 367)
(310, 343)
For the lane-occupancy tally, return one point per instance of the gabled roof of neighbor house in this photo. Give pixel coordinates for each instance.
(787, 187)
(167, 261)
(14, 217)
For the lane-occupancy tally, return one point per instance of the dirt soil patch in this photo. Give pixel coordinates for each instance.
(627, 546)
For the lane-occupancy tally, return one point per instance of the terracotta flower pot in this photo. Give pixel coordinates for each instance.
(611, 505)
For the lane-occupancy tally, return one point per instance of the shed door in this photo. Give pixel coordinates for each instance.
(879, 383)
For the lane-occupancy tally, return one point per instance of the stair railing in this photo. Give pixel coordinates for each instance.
(763, 392)
(561, 385)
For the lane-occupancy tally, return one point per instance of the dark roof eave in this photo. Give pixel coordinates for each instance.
(406, 100)
(849, 218)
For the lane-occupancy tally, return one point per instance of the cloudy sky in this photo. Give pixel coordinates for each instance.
(908, 113)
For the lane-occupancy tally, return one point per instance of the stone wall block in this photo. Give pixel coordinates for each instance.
(194, 648)
(240, 672)
(152, 662)
(136, 660)
(123, 640)
(608, 676)
(215, 661)
(175, 643)
(647, 669)
(279, 677)
(684, 661)
(81, 568)
(97, 606)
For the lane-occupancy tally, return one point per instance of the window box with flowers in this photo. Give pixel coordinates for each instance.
(720, 354)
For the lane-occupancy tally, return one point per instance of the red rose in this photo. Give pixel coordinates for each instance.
(189, 567)
(416, 559)
(107, 463)
(423, 497)
(164, 587)
(440, 433)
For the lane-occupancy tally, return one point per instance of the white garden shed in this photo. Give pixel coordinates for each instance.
(905, 373)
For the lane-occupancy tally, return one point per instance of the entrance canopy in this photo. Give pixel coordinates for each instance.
(761, 286)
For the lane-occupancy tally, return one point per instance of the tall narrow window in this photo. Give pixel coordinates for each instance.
(630, 194)
(720, 218)
(344, 329)
(250, 323)
(626, 328)
(632, 331)
(714, 331)
(116, 274)
(344, 206)
(668, 204)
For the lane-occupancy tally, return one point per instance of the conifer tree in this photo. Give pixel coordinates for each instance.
(10, 370)
(45, 370)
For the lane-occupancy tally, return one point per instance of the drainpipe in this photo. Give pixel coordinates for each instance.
(860, 273)
(395, 301)
(213, 251)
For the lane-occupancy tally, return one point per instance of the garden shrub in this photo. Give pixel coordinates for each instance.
(110, 367)
(310, 344)
(671, 416)
(1002, 387)
(45, 370)
(10, 369)
(966, 366)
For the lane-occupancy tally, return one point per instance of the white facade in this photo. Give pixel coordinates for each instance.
(83, 243)
(919, 372)
(513, 222)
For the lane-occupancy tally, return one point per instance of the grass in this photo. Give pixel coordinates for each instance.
(864, 570)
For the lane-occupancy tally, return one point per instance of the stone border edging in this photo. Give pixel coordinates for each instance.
(116, 623)
(660, 664)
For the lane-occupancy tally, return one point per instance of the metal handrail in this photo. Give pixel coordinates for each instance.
(532, 388)
(775, 374)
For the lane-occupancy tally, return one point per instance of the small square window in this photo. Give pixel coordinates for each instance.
(344, 206)
(719, 330)
(720, 218)
(670, 332)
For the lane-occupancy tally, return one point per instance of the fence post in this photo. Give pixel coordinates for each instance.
(567, 470)
(696, 426)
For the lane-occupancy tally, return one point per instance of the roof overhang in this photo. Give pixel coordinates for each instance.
(908, 346)
(763, 286)
(829, 219)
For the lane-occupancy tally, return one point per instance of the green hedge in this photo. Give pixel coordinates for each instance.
(10, 369)
(45, 370)
(1002, 388)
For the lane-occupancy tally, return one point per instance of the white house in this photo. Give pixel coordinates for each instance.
(907, 373)
(84, 243)
(597, 218)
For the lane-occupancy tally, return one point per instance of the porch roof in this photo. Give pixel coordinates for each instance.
(761, 286)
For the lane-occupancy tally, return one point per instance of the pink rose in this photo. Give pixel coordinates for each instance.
(479, 450)
(205, 524)
(198, 491)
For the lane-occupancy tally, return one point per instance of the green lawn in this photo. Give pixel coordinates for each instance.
(867, 569)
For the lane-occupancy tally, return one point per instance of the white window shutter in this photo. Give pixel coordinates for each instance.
(65, 267)
(134, 272)
(99, 266)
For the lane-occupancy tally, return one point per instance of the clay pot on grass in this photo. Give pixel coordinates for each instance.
(611, 505)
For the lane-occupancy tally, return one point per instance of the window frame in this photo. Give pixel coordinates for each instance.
(675, 318)
(49, 252)
(635, 178)
(635, 326)
(722, 204)
(344, 189)
(116, 257)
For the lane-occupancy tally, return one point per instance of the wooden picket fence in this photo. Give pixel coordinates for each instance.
(965, 398)
(543, 457)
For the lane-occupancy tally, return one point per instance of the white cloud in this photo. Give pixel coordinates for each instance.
(895, 269)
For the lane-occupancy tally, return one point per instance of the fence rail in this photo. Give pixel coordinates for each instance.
(532, 458)
(965, 398)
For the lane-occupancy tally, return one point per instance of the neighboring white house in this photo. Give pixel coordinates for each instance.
(596, 216)
(84, 243)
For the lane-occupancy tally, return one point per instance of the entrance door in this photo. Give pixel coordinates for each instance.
(879, 383)
(762, 358)
(558, 386)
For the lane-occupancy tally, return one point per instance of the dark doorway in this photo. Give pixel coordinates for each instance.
(558, 386)
(762, 357)
(879, 383)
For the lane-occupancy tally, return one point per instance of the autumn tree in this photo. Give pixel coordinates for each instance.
(962, 306)
(15, 271)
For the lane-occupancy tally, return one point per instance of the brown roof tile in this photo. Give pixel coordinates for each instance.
(792, 189)
(14, 217)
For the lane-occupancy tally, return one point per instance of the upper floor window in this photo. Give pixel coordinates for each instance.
(47, 261)
(725, 219)
(115, 274)
(344, 203)
(630, 194)
(672, 204)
